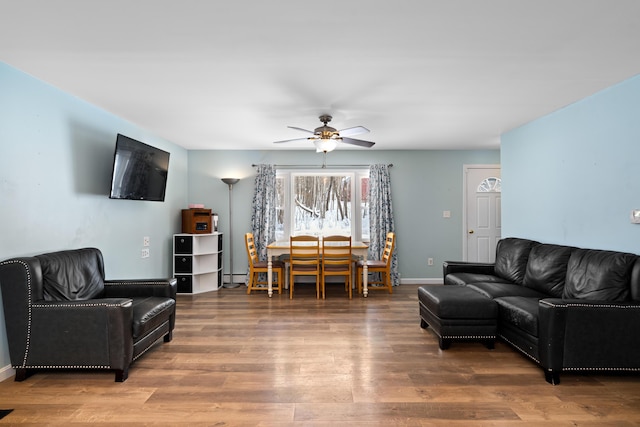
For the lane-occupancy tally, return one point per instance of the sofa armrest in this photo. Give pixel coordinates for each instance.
(583, 334)
(89, 333)
(141, 288)
(449, 267)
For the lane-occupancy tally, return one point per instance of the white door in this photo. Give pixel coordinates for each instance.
(483, 219)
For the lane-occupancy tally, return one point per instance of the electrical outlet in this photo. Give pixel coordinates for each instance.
(145, 241)
(145, 253)
(429, 261)
(446, 214)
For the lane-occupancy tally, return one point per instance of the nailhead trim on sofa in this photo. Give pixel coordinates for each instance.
(29, 305)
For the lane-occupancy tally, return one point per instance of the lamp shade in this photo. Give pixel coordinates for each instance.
(325, 145)
(230, 181)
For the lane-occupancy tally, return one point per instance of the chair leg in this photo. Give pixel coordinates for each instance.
(280, 274)
(280, 277)
(275, 282)
(22, 374)
(389, 284)
(250, 283)
(291, 282)
(122, 374)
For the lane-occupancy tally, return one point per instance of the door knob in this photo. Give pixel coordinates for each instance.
(470, 231)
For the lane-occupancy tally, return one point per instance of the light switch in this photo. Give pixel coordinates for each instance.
(635, 216)
(446, 214)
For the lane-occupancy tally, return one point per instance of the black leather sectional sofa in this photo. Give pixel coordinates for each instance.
(567, 308)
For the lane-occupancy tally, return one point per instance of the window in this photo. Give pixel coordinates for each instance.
(490, 185)
(322, 203)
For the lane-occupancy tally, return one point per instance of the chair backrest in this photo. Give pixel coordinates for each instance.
(72, 275)
(389, 244)
(304, 251)
(250, 244)
(336, 252)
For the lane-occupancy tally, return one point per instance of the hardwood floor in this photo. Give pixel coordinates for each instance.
(253, 361)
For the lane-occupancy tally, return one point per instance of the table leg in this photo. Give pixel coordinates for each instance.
(365, 276)
(270, 276)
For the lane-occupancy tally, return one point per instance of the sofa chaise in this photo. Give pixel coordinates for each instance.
(566, 308)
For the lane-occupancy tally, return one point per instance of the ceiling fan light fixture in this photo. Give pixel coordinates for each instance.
(325, 145)
(326, 138)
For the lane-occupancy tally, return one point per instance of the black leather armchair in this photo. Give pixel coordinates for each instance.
(60, 312)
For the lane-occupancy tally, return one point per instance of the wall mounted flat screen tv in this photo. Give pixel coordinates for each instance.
(139, 171)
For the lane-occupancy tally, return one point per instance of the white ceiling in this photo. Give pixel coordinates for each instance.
(420, 74)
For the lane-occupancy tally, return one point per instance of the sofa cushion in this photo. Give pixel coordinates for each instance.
(467, 278)
(519, 312)
(635, 281)
(72, 275)
(598, 275)
(496, 290)
(547, 269)
(149, 313)
(511, 258)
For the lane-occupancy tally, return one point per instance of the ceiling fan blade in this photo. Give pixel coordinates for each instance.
(297, 128)
(292, 140)
(356, 130)
(358, 142)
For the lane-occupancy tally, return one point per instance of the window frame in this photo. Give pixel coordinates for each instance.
(288, 175)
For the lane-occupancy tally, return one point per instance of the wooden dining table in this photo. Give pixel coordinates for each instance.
(281, 247)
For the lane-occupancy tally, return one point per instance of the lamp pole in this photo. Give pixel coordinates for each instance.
(230, 182)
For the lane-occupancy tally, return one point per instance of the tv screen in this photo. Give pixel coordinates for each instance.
(139, 171)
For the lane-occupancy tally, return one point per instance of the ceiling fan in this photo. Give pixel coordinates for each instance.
(326, 138)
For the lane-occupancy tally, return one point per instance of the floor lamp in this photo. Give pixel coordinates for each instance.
(230, 182)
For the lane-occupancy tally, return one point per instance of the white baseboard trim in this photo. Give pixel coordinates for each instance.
(422, 281)
(237, 278)
(6, 372)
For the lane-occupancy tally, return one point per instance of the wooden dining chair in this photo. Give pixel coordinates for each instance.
(337, 261)
(256, 267)
(382, 266)
(304, 260)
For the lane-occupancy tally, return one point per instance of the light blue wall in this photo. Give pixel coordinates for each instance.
(424, 183)
(56, 154)
(572, 177)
